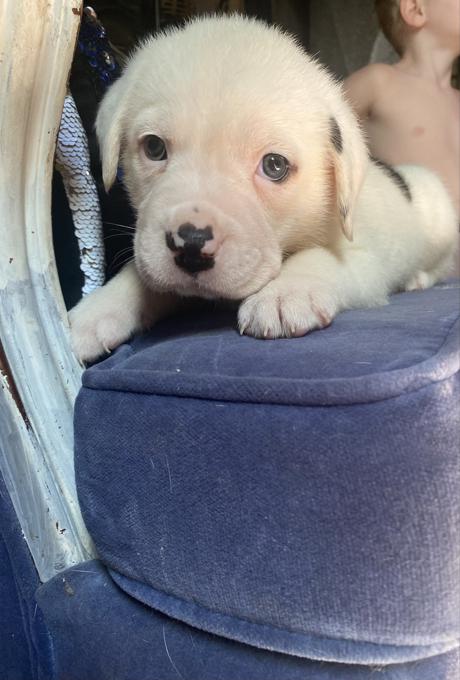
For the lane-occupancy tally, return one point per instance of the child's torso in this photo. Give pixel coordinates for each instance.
(414, 121)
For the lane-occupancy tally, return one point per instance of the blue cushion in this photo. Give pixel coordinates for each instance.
(25, 652)
(100, 633)
(297, 495)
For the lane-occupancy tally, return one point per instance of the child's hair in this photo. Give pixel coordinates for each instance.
(391, 22)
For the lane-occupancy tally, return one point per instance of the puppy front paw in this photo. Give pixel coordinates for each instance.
(286, 309)
(420, 281)
(97, 329)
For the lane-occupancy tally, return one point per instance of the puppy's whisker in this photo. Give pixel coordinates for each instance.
(127, 261)
(120, 265)
(121, 231)
(121, 254)
(125, 250)
(106, 238)
(130, 227)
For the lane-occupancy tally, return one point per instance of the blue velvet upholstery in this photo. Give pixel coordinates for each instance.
(24, 641)
(300, 496)
(101, 633)
(278, 510)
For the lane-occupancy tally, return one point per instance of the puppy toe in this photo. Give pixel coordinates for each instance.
(284, 311)
(302, 313)
(420, 281)
(259, 316)
(86, 345)
(92, 337)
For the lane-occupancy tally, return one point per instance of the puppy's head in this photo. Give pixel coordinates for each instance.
(237, 150)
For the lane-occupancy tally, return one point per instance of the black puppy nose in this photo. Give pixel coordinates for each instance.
(189, 256)
(194, 237)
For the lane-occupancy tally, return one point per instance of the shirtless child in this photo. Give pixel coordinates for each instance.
(409, 110)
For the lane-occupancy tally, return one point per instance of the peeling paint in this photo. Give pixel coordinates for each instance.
(9, 384)
(39, 377)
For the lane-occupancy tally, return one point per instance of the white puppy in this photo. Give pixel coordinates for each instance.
(251, 181)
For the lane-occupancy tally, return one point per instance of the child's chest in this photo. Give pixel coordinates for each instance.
(421, 122)
(424, 115)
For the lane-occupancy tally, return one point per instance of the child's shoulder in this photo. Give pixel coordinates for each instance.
(377, 74)
(364, 88)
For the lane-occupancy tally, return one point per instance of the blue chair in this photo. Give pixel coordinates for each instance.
(261, 509)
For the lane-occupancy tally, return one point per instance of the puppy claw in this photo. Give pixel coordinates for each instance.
(420, 281)
(281, 309)
(99, 324)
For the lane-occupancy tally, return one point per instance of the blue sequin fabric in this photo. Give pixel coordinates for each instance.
(94, 45)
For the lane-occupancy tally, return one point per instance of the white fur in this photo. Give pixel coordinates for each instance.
(337, 234)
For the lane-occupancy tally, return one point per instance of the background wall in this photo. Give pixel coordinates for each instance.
(343, 34)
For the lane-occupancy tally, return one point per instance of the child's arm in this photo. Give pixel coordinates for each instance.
(363, 87)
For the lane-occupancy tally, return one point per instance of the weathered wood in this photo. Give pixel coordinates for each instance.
(37, 39)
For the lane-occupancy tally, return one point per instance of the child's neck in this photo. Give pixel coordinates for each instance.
(424, 59)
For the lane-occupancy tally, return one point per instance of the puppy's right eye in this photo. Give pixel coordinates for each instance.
(154, 148)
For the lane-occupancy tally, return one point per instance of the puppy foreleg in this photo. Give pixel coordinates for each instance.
(112, 314)
(313, 286)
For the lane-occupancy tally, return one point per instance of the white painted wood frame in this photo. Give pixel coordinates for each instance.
(37, 42)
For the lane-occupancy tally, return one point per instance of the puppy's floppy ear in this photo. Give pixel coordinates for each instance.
(109, 131)
(350, 159)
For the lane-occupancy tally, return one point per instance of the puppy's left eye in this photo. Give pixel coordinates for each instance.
(154, 148)
(274, 167)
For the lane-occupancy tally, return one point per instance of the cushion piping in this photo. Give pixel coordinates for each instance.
(304, 392)
(265, 636)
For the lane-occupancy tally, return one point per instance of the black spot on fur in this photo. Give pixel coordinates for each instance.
(189, 256)
(395, 176)
(170, 242)
(193, 237)
(192, 262)
(336, 135)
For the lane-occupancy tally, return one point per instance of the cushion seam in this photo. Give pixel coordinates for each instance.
(455, 642)
(372, 377)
